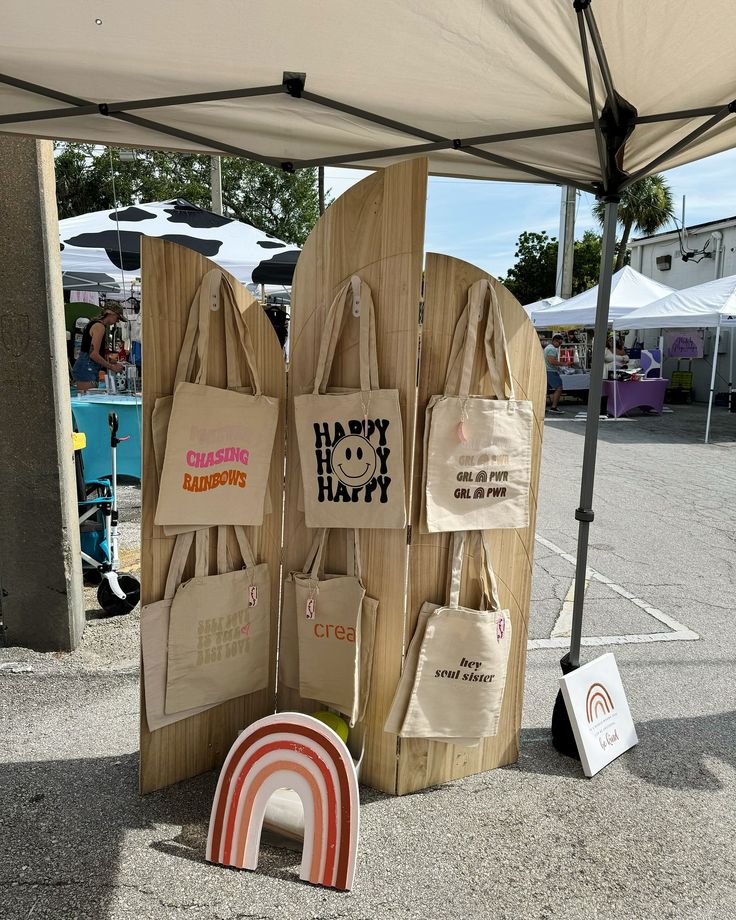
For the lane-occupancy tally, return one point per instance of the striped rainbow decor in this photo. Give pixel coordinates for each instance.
(293, 751)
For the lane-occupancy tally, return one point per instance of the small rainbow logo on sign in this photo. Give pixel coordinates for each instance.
(598, 702)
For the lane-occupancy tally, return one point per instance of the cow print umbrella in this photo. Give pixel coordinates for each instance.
(110, 241)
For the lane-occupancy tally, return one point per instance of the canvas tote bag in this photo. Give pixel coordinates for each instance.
(477, 450)
(289, 635)
(219, 629)
(351, 443)
(155, 637)
(332, 612)
(219, 441)
(452, 685)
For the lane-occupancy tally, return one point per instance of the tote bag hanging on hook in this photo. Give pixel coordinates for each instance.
(351, 443)
(219, 630)
(219, 441)
(477, 450)
(154, 642)
(335, 631)
(452, 685)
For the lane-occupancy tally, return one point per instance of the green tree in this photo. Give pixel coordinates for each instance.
(533, 275)
(645, 206)
(283, 204)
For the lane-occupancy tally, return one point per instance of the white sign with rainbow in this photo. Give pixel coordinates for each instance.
(599, 712)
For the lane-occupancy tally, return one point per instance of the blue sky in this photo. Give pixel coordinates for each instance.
(481, 221)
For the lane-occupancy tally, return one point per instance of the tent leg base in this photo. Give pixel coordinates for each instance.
(563, 738)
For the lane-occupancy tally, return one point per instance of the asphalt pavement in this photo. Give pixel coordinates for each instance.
(652, 836)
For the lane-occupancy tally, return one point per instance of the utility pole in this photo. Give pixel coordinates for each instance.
(321, 188)
(566, 244)
(216, 184)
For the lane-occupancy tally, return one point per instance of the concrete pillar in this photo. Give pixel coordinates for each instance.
(41, 600)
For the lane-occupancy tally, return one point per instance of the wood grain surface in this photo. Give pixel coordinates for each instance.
(171, 275)
(446, 283)
(375, 230)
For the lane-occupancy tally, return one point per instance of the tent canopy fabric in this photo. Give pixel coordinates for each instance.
(493, 89)
(710, 304)
(629, 290)
(552, 301)
(110, 241)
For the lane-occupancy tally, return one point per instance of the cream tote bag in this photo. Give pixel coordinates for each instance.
(477, 450)
(219, 441)
(351, 442)
(219, 630)
(154, 642)
(289, 635)
(452, 685)
(335, 620)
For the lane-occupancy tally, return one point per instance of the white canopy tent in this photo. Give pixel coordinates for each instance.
(629, 291)
(572, 92)
(712, 304)
(109, 242)
(552, 301)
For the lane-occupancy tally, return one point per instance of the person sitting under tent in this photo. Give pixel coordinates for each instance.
(552, 364)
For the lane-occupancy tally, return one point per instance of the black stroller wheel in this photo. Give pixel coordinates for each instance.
(115, 606)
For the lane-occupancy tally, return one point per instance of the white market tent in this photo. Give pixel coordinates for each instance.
(712, 304)
(629, 291)
(552, 301)
(109, 242)
(584, 93)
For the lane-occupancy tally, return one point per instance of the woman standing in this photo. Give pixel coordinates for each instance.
(93, 352)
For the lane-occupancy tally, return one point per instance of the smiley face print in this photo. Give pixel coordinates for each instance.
(354, 460)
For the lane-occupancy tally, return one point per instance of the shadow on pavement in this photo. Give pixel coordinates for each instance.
(671, 754)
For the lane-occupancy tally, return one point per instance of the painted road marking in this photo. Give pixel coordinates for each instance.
(678, 632)
(563, 626)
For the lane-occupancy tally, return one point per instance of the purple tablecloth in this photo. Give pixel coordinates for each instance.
(628, 394)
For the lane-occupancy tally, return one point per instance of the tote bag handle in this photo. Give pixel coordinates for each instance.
(489, 587)
(359, 294)
(464, 342)
(201, 540)
(314, 564)
(196, 338)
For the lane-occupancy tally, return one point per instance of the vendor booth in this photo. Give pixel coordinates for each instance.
(585, 94)
(629, 290)
(108, 243)
(710, 305)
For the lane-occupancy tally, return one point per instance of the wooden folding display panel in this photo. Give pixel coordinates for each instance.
(375, 230)
(171, 275)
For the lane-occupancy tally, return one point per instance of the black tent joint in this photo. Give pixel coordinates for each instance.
(103, 108)
(584, 514)
(456, 143)
(294, 83)
(288, 166)
(580, 5)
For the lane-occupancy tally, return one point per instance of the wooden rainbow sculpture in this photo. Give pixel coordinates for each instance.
(293, 751)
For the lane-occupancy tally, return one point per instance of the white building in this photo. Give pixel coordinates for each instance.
(665, 257)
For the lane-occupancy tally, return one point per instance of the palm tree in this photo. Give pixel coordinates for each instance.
(646, 205)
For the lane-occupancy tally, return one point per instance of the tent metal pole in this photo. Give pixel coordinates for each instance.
(600, 53)
(713, 380)
(584, 513)
(730, 366)
(112, 108)
(600, 142)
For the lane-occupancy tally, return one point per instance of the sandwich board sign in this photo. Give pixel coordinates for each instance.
(599, 713)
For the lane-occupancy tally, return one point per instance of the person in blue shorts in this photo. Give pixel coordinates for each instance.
(93, 352)
(552, 366)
